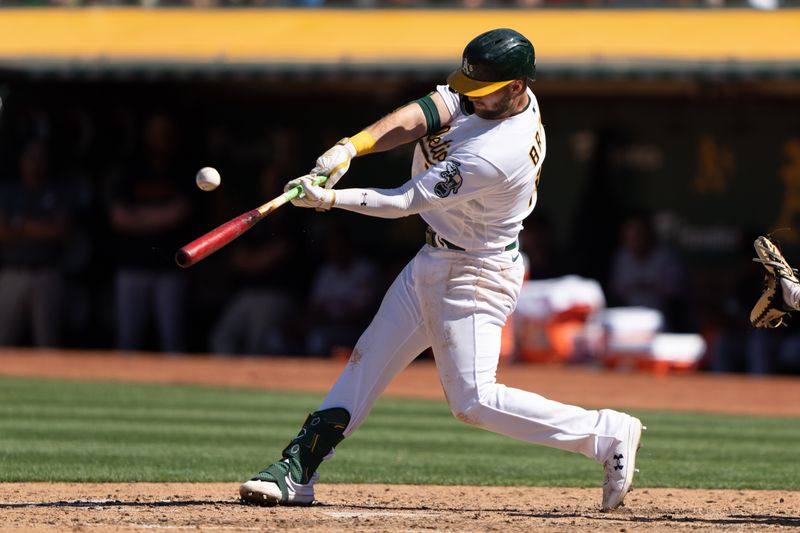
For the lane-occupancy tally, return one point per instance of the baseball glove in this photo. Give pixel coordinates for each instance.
(770, 310)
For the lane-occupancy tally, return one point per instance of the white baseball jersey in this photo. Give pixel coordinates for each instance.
(474, 182)
(481, 174)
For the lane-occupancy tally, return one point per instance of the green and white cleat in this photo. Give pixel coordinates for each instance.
(291, 480)
(274, 486)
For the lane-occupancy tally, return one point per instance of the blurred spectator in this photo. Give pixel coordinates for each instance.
(343, 295)
(788, 352)
(264, 264)
(34, 221)
(386, 3)
(738, 347)
(600, 206)
(448, 4)
(537, 244)
(761, 4)
(149, 215)
(646, 273)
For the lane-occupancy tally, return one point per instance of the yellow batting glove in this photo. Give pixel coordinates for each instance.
(336, 160)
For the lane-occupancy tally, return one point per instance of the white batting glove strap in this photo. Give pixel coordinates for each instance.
(335, 162)
(312, 196)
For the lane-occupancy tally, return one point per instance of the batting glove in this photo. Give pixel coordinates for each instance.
(335, 162)
(313, 195)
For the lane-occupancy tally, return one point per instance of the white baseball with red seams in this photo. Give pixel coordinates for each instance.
(208, 178)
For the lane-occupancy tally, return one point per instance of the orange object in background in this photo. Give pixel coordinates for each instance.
(551, 340)
(665, 353)
(662, 368)
(508, 341)
(645, 363)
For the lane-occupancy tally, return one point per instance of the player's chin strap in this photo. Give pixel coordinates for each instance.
(321, 432)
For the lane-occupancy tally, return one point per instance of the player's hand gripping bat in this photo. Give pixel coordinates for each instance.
(218, 237)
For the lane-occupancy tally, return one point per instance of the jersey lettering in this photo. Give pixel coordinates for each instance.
(434, 147)
(439, 151)
(536, 149)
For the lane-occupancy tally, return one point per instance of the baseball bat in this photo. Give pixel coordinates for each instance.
(203, 246)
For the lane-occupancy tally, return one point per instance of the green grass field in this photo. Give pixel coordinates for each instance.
(86, 431)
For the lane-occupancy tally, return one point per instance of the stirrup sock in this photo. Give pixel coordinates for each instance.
(321, 432)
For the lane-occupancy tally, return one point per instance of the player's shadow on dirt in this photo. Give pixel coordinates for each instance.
(117, 503)
(749, 519)
(732, 520)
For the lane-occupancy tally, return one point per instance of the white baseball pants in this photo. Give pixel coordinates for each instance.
(457, 303)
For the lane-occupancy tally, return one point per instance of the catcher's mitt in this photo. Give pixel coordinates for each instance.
(770, 311)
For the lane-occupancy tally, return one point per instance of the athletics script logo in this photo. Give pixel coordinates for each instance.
(466, 68)
(452, 180)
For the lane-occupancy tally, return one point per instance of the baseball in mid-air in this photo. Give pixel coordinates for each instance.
(208, 178)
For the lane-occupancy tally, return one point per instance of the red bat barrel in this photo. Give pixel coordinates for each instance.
(215, 239)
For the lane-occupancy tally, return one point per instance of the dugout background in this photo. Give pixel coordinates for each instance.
(713, 152)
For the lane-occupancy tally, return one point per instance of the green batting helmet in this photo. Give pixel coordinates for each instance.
(492, 60)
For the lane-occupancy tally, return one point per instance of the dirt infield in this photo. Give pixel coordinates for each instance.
(40, 507)
(388, 508)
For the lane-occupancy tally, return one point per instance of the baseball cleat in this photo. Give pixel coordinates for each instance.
(621, 466)
(771, 257)
(274, 486)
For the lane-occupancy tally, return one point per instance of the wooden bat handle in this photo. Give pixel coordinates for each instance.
(203, 246)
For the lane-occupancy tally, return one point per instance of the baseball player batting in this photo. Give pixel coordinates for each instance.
(477, 161)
